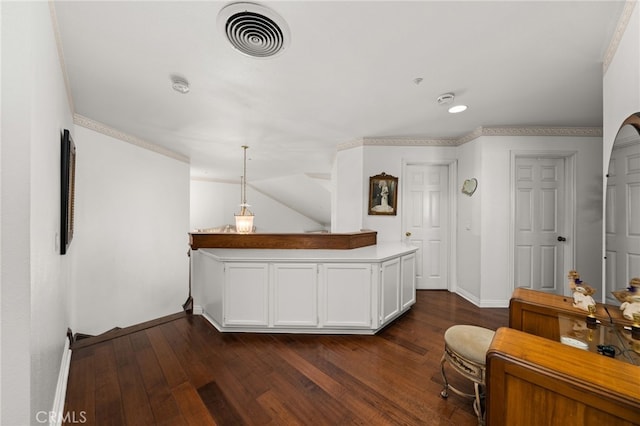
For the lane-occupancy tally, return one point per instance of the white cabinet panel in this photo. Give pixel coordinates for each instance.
(295, 294)
(346, 293)
(390, 289)
(408, 277)
(246, 294)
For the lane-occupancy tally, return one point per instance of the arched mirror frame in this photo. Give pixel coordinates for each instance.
(612, 282)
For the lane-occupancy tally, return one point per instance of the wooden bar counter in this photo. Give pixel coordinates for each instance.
(311, 240)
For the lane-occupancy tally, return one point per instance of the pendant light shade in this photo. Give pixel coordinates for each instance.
(244, 219)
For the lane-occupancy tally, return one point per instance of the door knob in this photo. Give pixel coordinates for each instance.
(408, 234)
(562, 239)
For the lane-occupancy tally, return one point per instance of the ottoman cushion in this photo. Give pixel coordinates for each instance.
(469, 341)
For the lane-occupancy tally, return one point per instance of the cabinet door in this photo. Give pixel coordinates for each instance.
(295, 294)
(346, 295)
(246, 294)
(390, 289)
(408, 287)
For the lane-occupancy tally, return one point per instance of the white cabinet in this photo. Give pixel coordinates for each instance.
(246, 294)
(346, 295)
(356, 291)
(295, 294)
(408, 286)
(389, 289)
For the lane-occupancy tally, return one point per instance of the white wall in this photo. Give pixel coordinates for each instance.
(34, 276)
(213, 204)
(131, 234)
(349, 197)
(482, 254)
(495, 213)
(468, 249)
(378, 159)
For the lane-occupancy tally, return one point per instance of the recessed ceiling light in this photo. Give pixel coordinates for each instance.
(179, 84)
(457, 108)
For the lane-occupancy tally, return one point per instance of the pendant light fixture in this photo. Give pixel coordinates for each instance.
(244, 219)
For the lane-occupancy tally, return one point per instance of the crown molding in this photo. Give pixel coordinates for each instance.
(478, 132)
(351, 144)
(88, 123)
(409, 142)
(63, 65)
(623, 22)
(542, 131)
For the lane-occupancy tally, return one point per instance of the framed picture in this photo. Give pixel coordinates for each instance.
(67, 189)
(383, 194)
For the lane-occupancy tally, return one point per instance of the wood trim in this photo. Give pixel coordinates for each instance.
(526, 301)
(327, 241)
(521, 366)
(125, 331)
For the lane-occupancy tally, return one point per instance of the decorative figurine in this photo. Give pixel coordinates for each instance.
(635, 330)
(581, 291)
(624, 294)
(591, 318)
(631, 305)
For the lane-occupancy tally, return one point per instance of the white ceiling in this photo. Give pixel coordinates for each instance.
(347, 74)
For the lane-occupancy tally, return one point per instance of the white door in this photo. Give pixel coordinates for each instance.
(623, 225)
(540, 228)
(426, 222)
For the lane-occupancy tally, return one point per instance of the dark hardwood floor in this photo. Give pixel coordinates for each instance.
(180, 370)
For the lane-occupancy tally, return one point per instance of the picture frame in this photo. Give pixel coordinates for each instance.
(383, 195)
(67, 189)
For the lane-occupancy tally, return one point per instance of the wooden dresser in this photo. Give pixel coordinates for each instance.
(533, 379)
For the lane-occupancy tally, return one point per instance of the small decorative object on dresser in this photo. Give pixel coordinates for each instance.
(581, 291)
(629, 298)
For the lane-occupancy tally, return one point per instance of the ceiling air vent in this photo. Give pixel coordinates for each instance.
(254, 29)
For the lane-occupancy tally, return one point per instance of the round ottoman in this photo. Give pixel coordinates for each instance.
(465, 349)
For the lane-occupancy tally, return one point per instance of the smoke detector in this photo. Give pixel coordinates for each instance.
(254, 30)
(446, 99)
(180, 84)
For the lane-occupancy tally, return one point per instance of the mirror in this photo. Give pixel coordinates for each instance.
(622, 211)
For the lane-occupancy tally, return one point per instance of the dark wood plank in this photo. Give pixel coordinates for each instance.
(108, 399)
(80, 400)
(191, 406)
(186, 372)
(220, 409)
(135, 401)
(163, 405)
(324, 241)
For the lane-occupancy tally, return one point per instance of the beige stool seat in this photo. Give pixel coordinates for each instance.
(465, 349)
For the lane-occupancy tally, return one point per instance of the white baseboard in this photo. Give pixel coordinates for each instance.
(482, 303)
(61, 388)
(198, 310)
(468, 296)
